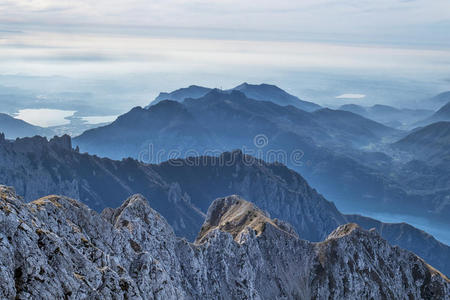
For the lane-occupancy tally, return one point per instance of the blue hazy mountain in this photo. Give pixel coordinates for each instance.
(442, 114)
(193, 91)
(388, 115)
(268, 92)
(224, 121)
(261, 92)
(430, 143)
(440, 99)
(327, 140)
(14, 128)
(183, 189)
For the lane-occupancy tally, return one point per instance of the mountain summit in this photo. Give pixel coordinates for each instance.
(268, 92)
(261, 92)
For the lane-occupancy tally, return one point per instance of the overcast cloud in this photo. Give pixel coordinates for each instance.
(388, 19)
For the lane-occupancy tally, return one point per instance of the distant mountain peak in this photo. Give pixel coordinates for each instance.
(269, 92)
(192, 91)
(261, 92)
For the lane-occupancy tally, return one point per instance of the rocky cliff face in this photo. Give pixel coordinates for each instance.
(407, 237)
(56, 247)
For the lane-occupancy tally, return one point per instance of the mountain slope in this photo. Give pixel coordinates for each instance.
(62, 249)
(390, 116)
(352, 124)
(442, 115)
(164, 127)
(181, 190)
(440, 99)
(14, 128)
(430, 143)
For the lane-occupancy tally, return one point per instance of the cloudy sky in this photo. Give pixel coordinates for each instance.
(131, 50)
(410, 21)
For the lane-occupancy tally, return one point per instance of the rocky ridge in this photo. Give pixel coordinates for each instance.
(56, 247)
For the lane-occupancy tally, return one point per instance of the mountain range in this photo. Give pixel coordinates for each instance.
(56, 247)
(261, 92)
(328, 147)
(252, 142)
(182, 190)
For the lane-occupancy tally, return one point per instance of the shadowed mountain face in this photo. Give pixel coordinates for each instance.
(56, 247)
(442, 115)
(430, 143)
(182, 189)
(14, 128)
(441, 99)
(143, 133)
(388, 115)
(352, 125)
(261, 92)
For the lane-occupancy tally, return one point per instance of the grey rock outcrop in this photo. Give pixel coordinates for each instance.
(56, 248)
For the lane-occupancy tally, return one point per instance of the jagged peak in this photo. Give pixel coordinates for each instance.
(135, 213)
(344, 230)
(235, 215)
(64, 141)
(7, 192)
(134, 203)
(38, 143)
(49, 254)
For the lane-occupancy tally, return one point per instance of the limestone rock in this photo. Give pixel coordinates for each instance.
(56, 248)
